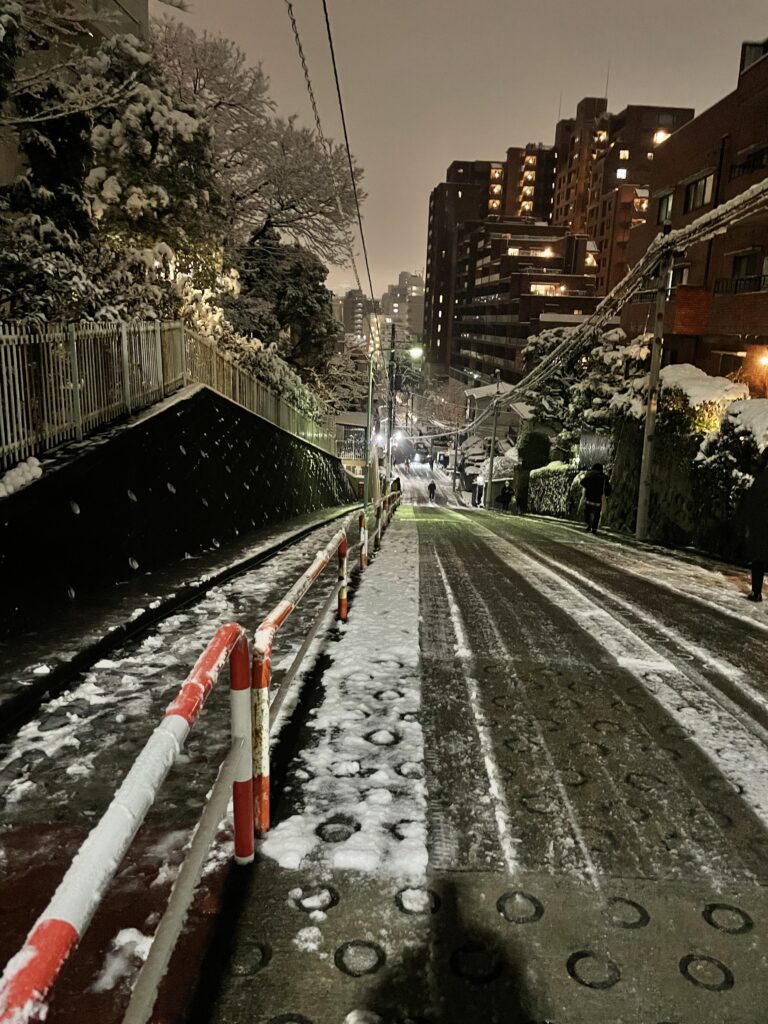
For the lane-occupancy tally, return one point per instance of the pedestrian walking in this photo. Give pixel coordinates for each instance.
(505, 496)
(596, 486)
(431, 462)
(431, 490)
(755, 518)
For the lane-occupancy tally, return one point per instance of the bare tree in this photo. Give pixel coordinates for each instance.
(271, 173)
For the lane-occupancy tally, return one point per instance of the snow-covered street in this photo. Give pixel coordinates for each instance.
(528, 781)
(592, 763)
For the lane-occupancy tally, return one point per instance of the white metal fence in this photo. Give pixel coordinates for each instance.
(61, 382)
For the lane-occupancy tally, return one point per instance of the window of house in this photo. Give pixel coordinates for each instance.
(746, 264)
(679, 276)
(698, 193)
(623, 154)
(621, 173)
(494, 204)
(459, 193)
(665, 207)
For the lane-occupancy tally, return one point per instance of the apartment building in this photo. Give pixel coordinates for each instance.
(473, 190)
(717, 316)
(515, 278)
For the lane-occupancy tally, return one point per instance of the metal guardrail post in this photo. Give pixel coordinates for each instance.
(183, 354)
(74, 370)
(262, 657)
(126, 366)
(343, 550)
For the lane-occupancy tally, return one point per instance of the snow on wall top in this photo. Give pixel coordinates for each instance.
(699, 388)
(752, 416)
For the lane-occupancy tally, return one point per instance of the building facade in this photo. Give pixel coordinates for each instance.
(717, 313)
(472, 191)
(529, 182)
(403, 303)
(515, 278)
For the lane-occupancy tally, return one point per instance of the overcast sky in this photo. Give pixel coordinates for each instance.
(426, 82)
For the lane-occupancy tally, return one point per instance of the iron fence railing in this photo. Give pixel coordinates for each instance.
(739, 285)
(61, 382)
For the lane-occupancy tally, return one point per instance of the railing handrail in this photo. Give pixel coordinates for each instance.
(29, 975)
(61, 381)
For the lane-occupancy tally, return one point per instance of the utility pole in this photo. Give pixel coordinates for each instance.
(392, 380)
(489, 483)
(368, 430)
(455, 458)
(646, 466)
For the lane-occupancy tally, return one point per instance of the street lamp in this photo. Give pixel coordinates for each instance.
(417, 352)
(763, 361)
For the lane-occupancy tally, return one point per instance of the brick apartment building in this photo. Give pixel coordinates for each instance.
(514, 278)
(602, 173)
(472, 191)
(475, 191)
(717, 316)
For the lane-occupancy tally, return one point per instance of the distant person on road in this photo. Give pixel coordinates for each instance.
(596, 487)
(755, 515)
(431, 490)
(407, 466)
(505, 497)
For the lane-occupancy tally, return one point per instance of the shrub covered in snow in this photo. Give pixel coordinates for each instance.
(22, 474)
(550, 490)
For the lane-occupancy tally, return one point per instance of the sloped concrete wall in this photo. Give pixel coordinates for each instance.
(197, 472)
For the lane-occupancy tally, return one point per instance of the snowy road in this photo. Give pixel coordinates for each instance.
(591, 769)
(530, 784)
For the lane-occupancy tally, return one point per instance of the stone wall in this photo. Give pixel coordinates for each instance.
(189, 476)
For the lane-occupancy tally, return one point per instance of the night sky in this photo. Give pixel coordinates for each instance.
(429, 81)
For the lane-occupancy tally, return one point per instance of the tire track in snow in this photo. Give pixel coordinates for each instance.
(464, 654)
(720, 733)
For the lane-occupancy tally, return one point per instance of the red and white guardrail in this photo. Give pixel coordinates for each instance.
(29, 975)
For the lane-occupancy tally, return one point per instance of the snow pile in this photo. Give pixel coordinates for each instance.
(127, 951)
(751, 417)
(363, 795)
(21, 475)
(701, 389)
(503, 465)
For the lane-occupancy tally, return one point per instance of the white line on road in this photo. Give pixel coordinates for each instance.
(464, 653)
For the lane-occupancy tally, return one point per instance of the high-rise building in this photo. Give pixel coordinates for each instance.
(358, 312)
(578, 141)
(618, 183)
(529, 181)
(515, 278)
(717, 313)
(403, 303)
(472, 190)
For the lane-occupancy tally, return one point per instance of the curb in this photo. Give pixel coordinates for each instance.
(35, 690)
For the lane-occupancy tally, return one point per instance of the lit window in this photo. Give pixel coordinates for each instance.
(699, 193)
(527, 205)
(547, 252)
(665, 208)
(528, 190)
(623, 154)
(660, 136)
(590, 260)
(440, 299)
(494, 204)
(496, 190)
(621, 173)
(599, 137)
(512, 251)
(439, 327)
(496, 173)
(439, 312)
(530, 176)
(649, 156)
(459, 193)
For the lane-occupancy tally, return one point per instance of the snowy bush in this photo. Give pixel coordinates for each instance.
(22, 474)
(550, 490)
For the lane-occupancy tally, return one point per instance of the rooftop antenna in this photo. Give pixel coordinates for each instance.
(607, 80)
(560, 105)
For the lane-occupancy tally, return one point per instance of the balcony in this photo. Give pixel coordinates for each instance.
(739, 285)
(756, 161)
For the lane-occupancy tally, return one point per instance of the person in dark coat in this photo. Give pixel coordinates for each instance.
(505, 497)
(755, 513)
(431, 490)
(596, 486)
